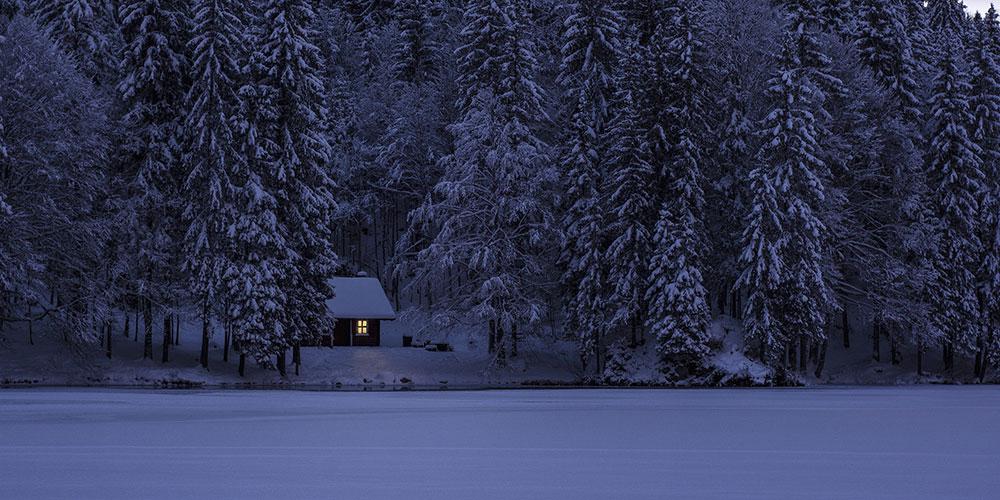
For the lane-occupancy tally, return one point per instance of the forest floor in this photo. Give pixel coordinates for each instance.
(927, 442)
(53, 362)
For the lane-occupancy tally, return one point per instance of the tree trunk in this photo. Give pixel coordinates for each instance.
(980, 344)
(803, 354)
(987, 351)
(513, 340)
(147, 339)
(634, 340)
(282, 370)
(296, 357)
(493, 336)
(945, 355)
(177, 329)
(135, 334)
(243, 364)
(501, 355)
(107, 337)
(204, 338)
(226, 339)
(821, 359)
(876, 341)
(894, 350)
(168, 336)
(920, 357)
(847, 328)
(126, 329)
(599, 352)
(31, 326)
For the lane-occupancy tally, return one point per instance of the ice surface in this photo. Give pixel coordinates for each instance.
(905, 443)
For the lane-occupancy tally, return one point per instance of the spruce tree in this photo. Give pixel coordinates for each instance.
(786, 251)
(305, 204)
(589, 56)
(212, 155)
(946, 16)
(81, 29)
(257, 312)
(630, 202)
(885, 47)
(983, 54)
(955, 172)
(151, 88)
(414, 57)
(678, 309)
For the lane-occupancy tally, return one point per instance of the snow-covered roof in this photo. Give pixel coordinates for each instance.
(359, 298)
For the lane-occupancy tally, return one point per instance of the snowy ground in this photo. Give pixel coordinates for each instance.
(53, 362)
(872, 443)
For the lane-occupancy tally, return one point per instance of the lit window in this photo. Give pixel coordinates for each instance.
(361, 327)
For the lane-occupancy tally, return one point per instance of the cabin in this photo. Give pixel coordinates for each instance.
(360, 306)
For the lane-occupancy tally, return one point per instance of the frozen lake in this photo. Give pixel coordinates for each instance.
(905, 443)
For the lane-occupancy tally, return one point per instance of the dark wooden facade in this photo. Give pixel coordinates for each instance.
(346, 333)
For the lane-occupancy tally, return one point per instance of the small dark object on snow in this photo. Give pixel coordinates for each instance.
(439, 347)
(407, 340)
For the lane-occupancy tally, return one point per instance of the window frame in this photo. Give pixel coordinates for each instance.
(361, 328)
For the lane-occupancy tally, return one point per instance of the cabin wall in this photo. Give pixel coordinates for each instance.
(343, 335)
(374, 334)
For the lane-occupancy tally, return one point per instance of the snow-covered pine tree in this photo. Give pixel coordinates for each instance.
(414, 57)
(212, 154)
(589, 56)
(415, 137)
(834, 16)
(490, 216)
(290, 59)
(257, 304)
(630, 200)
(955, 173)
(80, 27)
(983, 55)
(885, 47)
(678, 309)
(785, 252)
(151, 88)
(946, 16)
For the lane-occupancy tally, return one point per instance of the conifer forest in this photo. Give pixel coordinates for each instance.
(623, 177)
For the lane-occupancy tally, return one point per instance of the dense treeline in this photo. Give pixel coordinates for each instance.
(616, 172)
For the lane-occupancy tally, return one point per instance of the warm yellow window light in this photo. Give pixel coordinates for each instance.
(361, 327)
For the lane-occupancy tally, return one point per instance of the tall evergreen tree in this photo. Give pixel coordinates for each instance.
(630, 202)
(81, 29)
(886, 48)
(262, 257)
(786, 253)
(589, 56)
(946, 16)
(679, 313)
(290, 69)
(414, 57)
(983, 55)
(212, 154)
(956, 178)
(151, 88)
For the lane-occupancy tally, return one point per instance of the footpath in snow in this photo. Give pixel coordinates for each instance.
(869, 443)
